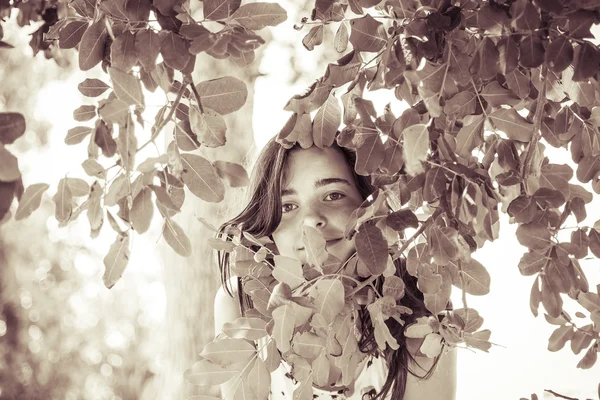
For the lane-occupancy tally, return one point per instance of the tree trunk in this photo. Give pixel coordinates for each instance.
(191, 283)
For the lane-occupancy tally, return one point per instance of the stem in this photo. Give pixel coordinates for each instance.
(478, 98)
(560, 395)
(537, 124)
(195, 91)
(419, 231)
(165, 120)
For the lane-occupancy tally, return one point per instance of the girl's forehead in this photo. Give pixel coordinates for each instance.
(316, 162)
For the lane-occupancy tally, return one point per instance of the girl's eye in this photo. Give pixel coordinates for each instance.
(336, 196)
(285, 208)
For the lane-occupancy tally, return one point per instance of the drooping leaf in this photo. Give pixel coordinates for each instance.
(174, 51)
(256, 16)
(372, 248)
(327, 122)
(209, 127)
(30, 200)
(116, 260)
(142, 210)
(284, 326)
(223, 95)
(147, 48)
(127, 87)
(176, 238)
(201, 178)
(551, 298)
(416, 146)
(313, 38)
(91, 48)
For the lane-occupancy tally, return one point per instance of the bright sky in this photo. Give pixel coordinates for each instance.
(519, 366)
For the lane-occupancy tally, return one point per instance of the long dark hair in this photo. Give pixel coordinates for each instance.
(262, 215)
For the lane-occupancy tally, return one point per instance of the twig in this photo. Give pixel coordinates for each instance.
(421, 229)
(162, 123)
(560, 395)
(195, 91)
(537, 124)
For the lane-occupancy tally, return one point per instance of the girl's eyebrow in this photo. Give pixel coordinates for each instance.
(318, 184)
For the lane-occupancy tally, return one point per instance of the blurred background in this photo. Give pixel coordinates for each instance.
(63, 335)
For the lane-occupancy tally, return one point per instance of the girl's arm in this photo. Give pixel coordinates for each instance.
(442, 383)
(226, 310)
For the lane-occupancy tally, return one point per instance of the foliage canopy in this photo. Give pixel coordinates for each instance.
(488, 84)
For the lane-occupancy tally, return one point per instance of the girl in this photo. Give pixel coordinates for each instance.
(295, 188)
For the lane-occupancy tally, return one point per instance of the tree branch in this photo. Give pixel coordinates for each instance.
(165, 120)
(195, 91)
(537, 124)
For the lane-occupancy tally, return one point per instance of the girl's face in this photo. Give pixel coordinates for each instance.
(318, 191)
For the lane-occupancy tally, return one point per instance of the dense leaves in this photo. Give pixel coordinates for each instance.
(488, 85)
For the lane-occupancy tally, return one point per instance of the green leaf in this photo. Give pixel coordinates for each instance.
(216, 10)
(508, 54)
(12, 127)
(103, 138)
(176, 238)
(559, 54)
(589, 359)
(328, 297)
(123, 55)
(519, 83)
(367, 34)
(127, 87)
(549, 197)
(147, 48)
(416, 146)
(437, 302)
(429, 282)
(523, 209)
(259, 379)
(534, 235)
(327, 122)
(585, 61)
(475, 277)
(78, 187)
(314, 245)
(93, 168)
(116, 260)
(308, 345)
(137, 10)
(461, 105)
(245, 328)
(142, 210)
(531, 263)
(289, 271)
(223, 95)
(77, 134)
(91, 48)
(283, 328)
(234, 174)
(174, 50)
(471, 318)
(369, 155)
(207, 373)
(442, 244)
(313, 38)
(209, 127)
(9, 165)
(340, 41)
(402, 219)
(84, 113)
(256, 16)
(228, 351)
(497, 96)
(588, 168)
(535, 297)
(372, 248)
(202, 179)
(92, 87)
(551, 298)
(511, 123)
(470, 136)
(531, 52)
(70, 36)
(30, 200)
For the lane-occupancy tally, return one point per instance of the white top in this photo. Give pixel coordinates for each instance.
(372, 376)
